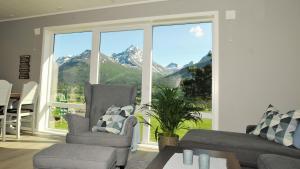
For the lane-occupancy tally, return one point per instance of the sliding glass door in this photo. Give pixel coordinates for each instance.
(182, 58)
(148, 56)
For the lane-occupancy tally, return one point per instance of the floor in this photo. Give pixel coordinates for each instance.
(17, 154)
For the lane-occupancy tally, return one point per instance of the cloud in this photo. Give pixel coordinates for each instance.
(197, 31)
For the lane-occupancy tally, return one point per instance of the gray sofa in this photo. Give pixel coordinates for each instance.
(98, 99)
(248, 148)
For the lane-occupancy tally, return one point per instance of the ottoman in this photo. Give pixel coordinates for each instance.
(75, 156)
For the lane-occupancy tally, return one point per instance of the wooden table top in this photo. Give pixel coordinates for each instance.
(162, 158)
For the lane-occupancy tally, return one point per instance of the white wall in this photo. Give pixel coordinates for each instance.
(259, 54)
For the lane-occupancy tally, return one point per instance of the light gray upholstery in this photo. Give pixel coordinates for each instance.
(98, 99)
(76, 123)
(272, 161)
(246, 147)
(75, 156)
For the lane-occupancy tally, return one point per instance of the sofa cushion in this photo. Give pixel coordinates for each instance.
(75, 156)
(100, 138)
(247, 147)
(296, 141)
(286, 127)
(272, 161)
(263, 125)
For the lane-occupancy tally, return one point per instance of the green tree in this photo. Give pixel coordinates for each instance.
(200, 85)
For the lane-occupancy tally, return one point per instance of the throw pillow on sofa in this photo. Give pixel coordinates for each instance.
(278, 127)
(263, 125)
(287, 127)
(296, 141)
(113, 119)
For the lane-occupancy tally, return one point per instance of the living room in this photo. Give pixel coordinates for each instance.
(247, 51)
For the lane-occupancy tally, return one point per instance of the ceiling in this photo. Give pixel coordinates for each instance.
(18, 9)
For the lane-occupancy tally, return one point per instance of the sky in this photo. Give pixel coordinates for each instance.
(176, 43)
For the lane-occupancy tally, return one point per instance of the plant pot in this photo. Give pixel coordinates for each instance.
(167, 141)
(57, 118)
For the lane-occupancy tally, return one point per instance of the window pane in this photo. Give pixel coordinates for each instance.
(121, 58)
(56, 120)
(71, 66)
(182, 58)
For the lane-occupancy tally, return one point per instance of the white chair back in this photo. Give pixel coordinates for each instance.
(5, 91)
(29, 93)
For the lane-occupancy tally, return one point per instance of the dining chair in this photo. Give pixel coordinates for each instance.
(5, 90)
(28, 96)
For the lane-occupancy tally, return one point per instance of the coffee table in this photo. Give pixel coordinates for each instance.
(163, 156)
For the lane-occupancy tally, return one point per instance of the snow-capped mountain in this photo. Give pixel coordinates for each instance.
(132, 56)
(62, 60)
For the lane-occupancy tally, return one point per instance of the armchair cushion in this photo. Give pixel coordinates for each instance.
(113, 120)
(76, 123)
(100, 97)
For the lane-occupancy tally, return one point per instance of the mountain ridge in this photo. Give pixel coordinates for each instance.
(121, 65)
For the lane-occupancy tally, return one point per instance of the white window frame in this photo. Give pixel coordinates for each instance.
(145, 24)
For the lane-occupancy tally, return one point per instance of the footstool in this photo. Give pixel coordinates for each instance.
(75, 156)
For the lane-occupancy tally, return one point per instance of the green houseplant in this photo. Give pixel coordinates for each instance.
(170, 109)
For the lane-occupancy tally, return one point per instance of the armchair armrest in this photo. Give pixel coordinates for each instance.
(76, 123)
(250, 128)
(130, 122)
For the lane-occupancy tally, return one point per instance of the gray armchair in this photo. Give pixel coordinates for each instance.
(98, 99)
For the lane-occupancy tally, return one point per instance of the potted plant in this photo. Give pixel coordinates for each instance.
(171, 110)
(56, 114)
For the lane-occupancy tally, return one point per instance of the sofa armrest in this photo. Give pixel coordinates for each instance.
(128, 126)
(250, 128)
(76, 123)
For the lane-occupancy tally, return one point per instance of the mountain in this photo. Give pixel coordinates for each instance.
(173, 66)
(132, 56)
(123, 68)
(175, 78)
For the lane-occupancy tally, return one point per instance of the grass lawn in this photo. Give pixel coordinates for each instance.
(61, 124)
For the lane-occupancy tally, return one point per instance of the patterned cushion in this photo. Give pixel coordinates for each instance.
(296, 141)
(278, 127)
(113, 119)
(286, 127)
(263, 125)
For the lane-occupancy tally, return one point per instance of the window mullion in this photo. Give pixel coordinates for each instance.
(94, 61)
(147, 76)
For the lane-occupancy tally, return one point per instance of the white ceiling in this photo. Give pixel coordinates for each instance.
(17, 9)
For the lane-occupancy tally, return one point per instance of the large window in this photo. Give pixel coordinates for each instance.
(182, 58)
(70, 71)
(167, 52)
(121, 58)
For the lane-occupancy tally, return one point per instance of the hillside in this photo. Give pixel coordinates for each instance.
(122, 68)
(175, 78)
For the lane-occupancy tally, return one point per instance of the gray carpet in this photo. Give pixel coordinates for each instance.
(140, 159)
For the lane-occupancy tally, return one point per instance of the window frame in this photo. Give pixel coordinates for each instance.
(146, 24)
